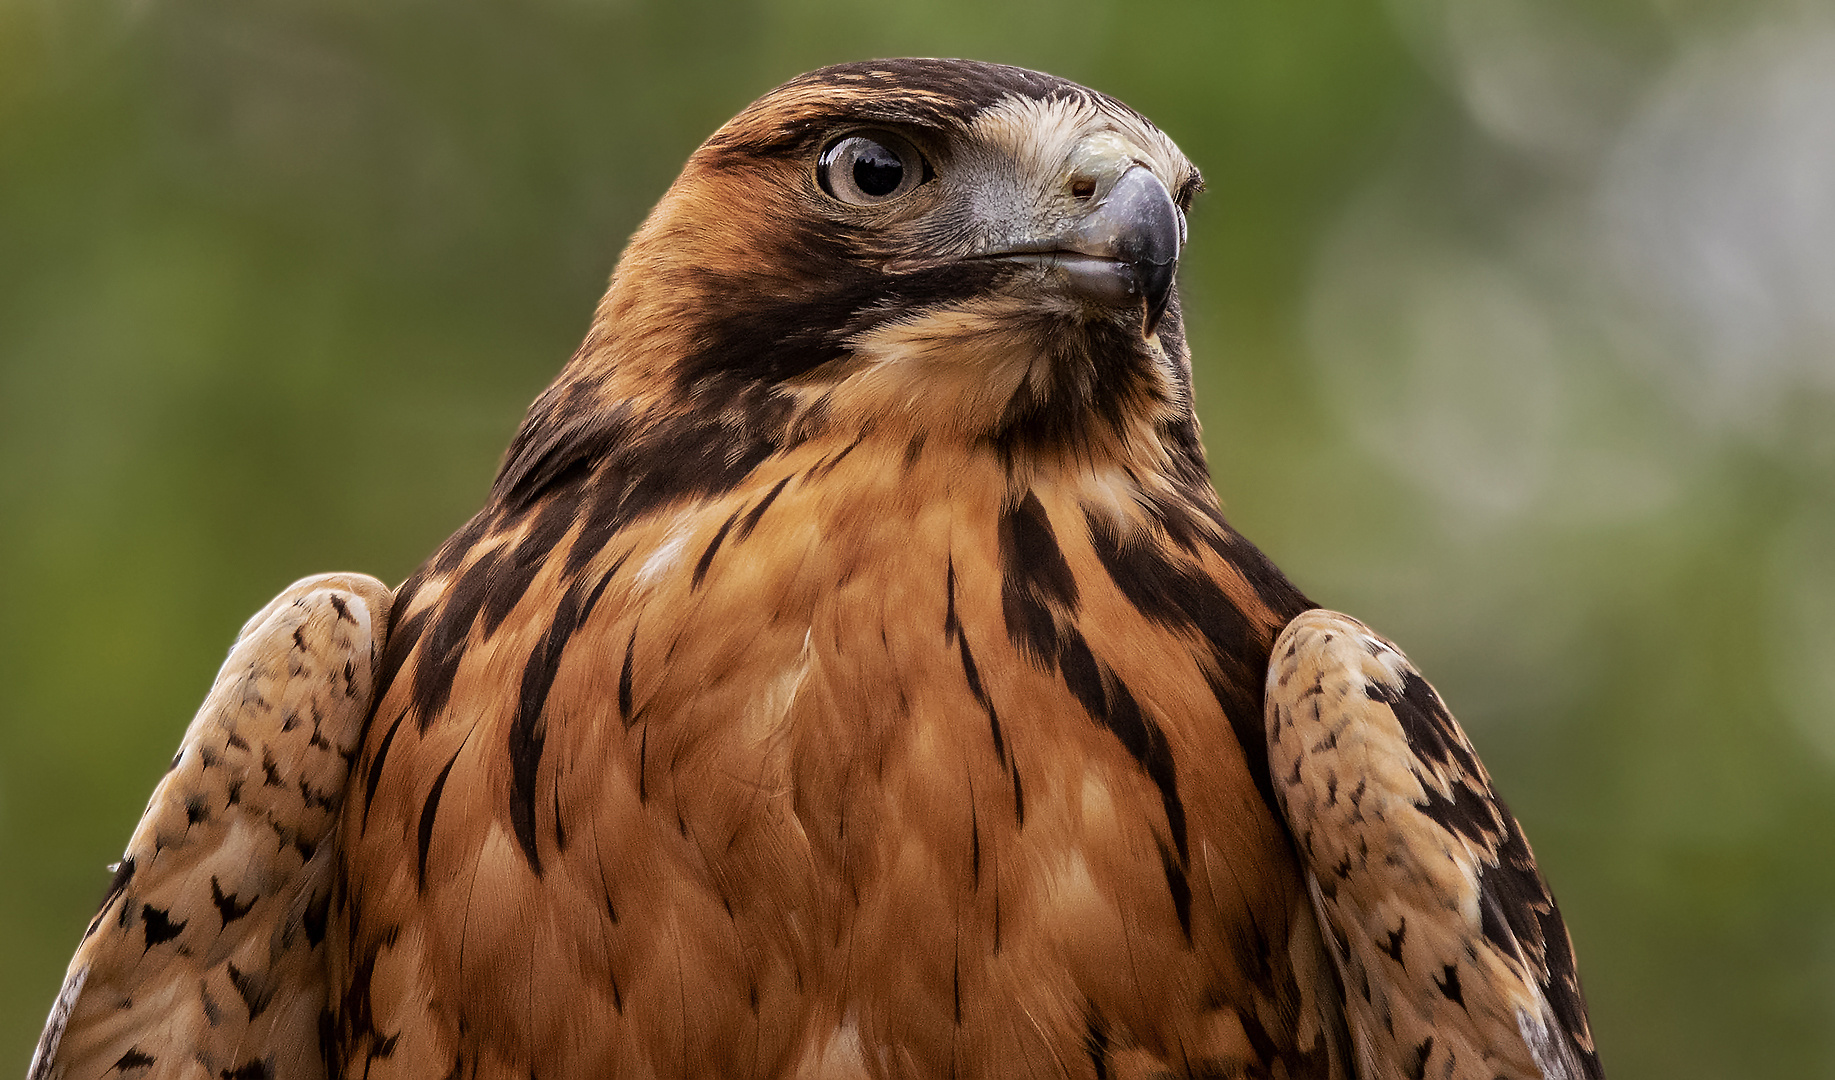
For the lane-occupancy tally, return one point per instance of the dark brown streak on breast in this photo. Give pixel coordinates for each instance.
(1037, 587)
(706, 561)
(424, 833)
(1181, 597)
(605, 579)
(625, 675)
(1110, 703)
(952, 632)
(1039, 601)
(527, 731)
(443, 650)
(757, 513)
(375, 767)
(1179, 886)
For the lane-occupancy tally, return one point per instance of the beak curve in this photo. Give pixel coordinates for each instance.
(1125, 249)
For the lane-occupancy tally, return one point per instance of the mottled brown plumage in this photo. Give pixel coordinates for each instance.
(207, 957)
(1453, 956)
(852, 673)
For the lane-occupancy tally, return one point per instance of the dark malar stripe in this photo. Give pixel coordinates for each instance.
(764, 338)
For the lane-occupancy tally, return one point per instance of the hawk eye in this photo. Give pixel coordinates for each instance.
(870, 167)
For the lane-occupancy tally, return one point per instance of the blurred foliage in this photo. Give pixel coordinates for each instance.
(1512, 337)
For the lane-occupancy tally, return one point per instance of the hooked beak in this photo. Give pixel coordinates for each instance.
(1124, 249)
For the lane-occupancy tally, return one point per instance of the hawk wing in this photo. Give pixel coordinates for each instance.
(208, 951)
(1454, 959)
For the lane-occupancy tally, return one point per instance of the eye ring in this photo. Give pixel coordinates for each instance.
(870, 168)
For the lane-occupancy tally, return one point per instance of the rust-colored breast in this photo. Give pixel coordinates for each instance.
(935, 778)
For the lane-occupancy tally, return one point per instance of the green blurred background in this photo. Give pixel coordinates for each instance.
(1515, 323)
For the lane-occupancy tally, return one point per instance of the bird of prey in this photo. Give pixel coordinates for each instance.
(852, 674)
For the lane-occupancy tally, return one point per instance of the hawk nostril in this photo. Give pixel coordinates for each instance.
(1082, 189)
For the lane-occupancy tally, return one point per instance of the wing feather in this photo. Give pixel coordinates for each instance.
(1454, 958)
(207, 956)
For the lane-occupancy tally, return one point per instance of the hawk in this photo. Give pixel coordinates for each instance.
(851, 674)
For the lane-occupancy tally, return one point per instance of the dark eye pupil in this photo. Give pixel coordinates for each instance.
(877, 170)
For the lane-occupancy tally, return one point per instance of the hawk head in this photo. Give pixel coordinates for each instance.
(902, 248)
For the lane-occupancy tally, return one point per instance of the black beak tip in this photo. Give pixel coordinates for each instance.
(1149, 240)
(1156, 293)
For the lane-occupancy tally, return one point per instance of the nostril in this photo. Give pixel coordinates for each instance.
(1082, 189)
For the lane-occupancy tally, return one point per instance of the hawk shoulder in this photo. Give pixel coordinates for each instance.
(208, 951)
(1454, 958)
